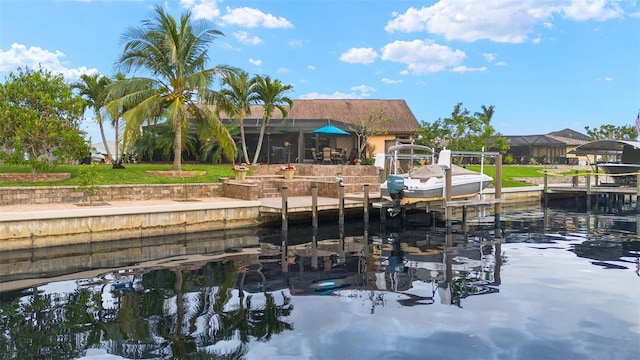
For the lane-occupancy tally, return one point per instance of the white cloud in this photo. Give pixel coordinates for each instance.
(422, 56)
(506, 21)
(364, 90)
(255, 62)
(297, 43)
(245, 38)
(311, 67)
(463, 69)
(252, 18)
(335, 95)
(359, 56)
(34, 57)
(391, 81)
(357, 92)
(282, 70)
(202, 9)
(592, 9)
(489, 56)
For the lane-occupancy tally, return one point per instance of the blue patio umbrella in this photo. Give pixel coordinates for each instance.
(330, 130)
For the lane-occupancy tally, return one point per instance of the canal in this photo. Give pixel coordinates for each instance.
(554, 284)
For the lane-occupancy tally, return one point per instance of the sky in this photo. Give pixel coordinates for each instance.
(545, 65)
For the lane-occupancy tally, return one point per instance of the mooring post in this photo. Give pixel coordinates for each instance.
(464, 218)
(314, 224)
(341, 209)
(314, 207)
(365, 206)
(588, 192)
(447, 199)
(285, 230)
(637, 193)
(546, 189)
(498, 196)
(383, 216)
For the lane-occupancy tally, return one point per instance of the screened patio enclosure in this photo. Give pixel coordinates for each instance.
(292, 141)
(541, 149)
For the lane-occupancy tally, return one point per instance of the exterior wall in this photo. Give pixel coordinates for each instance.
(378, 142)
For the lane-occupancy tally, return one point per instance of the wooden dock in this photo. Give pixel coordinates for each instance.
(612, 194)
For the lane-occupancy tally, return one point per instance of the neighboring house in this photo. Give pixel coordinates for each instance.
(552, 148)
(292, 140)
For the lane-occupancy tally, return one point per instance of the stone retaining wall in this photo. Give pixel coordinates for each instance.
(33, 177)
(33, 195)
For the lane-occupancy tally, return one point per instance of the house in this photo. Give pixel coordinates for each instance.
(552, 148)
(293, 140)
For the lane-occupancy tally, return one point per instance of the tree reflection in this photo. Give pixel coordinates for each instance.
(173, 313)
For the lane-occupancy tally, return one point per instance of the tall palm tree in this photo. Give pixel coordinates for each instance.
(93, 89)
(271, 95)
(175, 54)
(236, 100)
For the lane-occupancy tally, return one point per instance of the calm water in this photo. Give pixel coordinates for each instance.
(556, 285)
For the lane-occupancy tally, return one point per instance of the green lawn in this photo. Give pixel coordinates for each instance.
(131, 174)
(512, 171)
(136, 174)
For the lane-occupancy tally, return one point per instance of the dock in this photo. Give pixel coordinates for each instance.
(593, 191)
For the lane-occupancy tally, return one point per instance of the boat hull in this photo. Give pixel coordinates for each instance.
(434, 188)
(624, 174)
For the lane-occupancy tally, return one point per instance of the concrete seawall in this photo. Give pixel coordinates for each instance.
(68, 224)
(84, 225)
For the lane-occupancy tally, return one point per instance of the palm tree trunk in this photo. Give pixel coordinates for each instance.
(263, 127)
(244, 143)
(104, 138)
(177, 145)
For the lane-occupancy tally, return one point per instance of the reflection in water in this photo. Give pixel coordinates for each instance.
(227, 295)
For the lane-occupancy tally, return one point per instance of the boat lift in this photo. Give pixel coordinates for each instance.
(446, 201)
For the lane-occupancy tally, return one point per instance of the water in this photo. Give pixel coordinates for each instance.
(556, 285)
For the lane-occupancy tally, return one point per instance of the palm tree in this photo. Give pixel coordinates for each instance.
(93, 88)
(271, 94)
(236, 101)
(175, 54)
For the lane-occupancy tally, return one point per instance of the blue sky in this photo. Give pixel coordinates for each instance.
(545, 65)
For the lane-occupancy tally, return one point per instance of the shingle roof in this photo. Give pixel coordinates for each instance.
(346, 111)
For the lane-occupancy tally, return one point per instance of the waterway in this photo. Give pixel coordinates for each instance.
(553, 284)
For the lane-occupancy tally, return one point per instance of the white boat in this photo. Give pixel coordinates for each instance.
(428, 181)
(621, 158)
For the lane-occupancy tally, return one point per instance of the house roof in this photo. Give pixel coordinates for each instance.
(604, 147)
(557, 138)
(324, 111)
(533, 140)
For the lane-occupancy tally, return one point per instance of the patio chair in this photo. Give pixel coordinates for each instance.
(326, 155)
(315, 156)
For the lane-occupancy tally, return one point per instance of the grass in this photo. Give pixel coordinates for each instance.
(509, 172)
(132, 174)
(136, 174)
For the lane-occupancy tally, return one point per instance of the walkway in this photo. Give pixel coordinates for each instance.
(272, 204)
